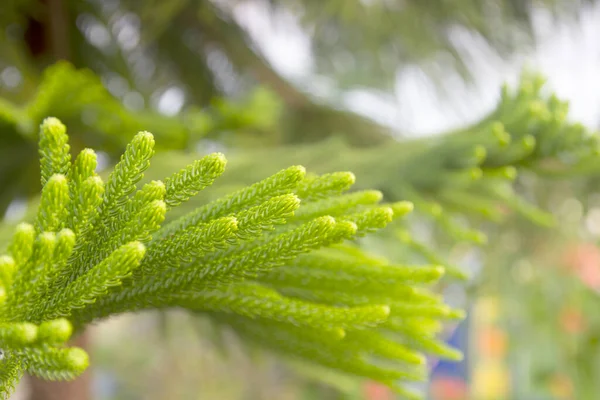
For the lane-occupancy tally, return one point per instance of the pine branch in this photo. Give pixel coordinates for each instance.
(268, 260)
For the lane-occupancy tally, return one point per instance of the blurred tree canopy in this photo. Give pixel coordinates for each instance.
(197, 51)
(197, 65)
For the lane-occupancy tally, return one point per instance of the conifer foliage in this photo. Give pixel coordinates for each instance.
(274, 261)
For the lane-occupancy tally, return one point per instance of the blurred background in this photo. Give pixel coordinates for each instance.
(263, 81)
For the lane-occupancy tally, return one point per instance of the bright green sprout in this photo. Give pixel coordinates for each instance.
(266, 261)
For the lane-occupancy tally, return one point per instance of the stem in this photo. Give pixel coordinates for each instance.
(308, 120)
(58, 27)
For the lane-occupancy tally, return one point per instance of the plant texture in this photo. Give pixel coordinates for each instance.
(274, 261)
(465, 185)
(78, 98)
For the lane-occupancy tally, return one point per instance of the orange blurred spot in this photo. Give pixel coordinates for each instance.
(572, 320)
(561, 387)
(492, 342)
(584, 260)
(449, 389)
(377, 391)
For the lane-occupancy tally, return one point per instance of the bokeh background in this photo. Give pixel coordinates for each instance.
(243, 75)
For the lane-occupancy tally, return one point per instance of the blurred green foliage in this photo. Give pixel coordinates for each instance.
(125, 56)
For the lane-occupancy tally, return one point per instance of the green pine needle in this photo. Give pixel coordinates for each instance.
(273, 261)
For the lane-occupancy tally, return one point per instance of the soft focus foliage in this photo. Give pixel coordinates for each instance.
(463, 184)
(78, 97)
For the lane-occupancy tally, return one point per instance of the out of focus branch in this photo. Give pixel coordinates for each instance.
(308, 120)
